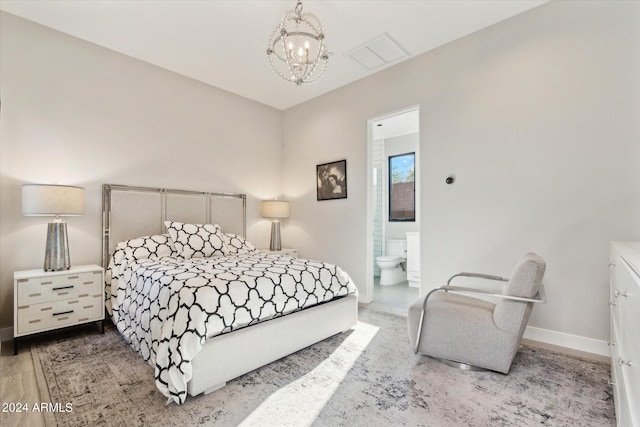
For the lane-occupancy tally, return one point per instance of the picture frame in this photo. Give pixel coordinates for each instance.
(331, 180)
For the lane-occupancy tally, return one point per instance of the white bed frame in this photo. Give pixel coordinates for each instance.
(130, 212)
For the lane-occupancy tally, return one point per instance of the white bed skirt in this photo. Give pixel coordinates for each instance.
(231, 355)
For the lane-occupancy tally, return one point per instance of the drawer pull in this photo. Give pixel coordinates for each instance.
(35, 295)
(612, 304)
(34, 321)
(23, 280)
(621, 362)
(87, 306)
(73, 277)
(612, 264)
(46, 283)
(611, 344)
(88, 283)
(63, 312)
(63, 287)
(620, 294)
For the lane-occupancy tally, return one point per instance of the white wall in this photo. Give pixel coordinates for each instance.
(536, 116)
(75, 113)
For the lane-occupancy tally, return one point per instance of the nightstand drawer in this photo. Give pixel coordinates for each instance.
(48, 300)
(53, 288)
(56, 314)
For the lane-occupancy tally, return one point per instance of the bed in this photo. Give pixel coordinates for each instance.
(198, 301)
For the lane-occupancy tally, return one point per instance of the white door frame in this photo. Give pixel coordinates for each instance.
(368, 297)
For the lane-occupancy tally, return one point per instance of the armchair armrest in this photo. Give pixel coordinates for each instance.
(539, 297)
(479, 276)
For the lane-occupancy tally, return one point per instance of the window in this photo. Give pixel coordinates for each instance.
(402, 186)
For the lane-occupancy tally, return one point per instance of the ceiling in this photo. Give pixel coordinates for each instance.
(223, 43)
(394, 125)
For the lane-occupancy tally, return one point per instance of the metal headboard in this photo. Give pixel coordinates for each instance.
(129, 212)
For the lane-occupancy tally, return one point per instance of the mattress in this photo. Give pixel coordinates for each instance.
(166, 306)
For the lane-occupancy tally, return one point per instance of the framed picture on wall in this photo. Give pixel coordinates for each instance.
(332, 180)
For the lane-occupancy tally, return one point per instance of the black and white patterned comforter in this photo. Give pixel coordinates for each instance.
(166, 307)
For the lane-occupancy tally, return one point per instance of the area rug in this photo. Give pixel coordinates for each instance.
(365, 377)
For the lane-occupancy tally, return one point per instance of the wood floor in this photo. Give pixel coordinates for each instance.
(18, 386)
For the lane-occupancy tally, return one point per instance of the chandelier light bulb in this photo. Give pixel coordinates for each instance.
(296, 49)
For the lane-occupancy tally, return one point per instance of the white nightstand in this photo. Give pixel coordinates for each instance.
(47, 300)
(284, 252)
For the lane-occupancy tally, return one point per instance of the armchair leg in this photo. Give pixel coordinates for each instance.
(420, 324)
(458, 365)
(419, 335)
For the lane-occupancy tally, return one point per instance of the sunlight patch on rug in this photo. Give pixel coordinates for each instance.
(300, 402)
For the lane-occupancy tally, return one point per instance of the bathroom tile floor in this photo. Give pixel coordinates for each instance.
(393, 298)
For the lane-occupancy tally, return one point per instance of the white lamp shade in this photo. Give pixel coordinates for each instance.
(52, 200)
(275, 209)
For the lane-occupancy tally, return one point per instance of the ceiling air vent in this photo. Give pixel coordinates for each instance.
(377, 53)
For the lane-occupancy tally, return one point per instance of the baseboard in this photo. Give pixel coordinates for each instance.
(6, 334)
(574, 342)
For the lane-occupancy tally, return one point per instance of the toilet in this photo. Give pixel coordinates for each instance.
(391, 269)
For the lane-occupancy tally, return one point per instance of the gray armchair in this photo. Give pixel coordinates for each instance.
(472, 333)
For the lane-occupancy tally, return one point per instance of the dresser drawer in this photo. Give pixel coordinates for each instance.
(625, 309)
(53, 288)
(628, 305)
(619, 395)
(52, 315)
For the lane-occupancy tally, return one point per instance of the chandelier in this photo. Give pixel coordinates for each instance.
(296, 48)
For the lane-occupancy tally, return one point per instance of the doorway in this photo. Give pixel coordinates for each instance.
(393, 146)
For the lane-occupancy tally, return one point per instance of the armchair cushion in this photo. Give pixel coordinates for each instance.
(461, 328)
(474, 331)
(525, 282)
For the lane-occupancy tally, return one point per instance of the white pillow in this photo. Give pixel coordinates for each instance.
(237, 244)
(197, 240)
(145, 247)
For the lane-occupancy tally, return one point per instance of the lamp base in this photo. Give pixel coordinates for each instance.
(56, 256)
(275, 244)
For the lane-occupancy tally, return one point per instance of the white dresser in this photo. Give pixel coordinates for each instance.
(413, 259)
(47, 300)
(624, 302)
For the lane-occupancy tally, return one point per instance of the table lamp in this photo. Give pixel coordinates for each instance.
(275, 209)
(54, 200)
